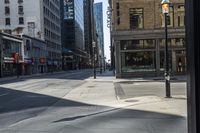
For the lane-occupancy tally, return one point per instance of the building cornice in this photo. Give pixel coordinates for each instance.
(147, 34)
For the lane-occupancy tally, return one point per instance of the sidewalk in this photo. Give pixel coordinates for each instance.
(103, 92)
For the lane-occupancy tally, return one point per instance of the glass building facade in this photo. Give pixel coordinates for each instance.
(73, 34)
(98, 16)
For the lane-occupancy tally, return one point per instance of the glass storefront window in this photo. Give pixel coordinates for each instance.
(137, 44)
(138, 61)
(173, 43)
(180, 42)
(162, 60)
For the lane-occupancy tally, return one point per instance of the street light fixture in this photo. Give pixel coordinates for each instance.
(94, 58)
(165, 11)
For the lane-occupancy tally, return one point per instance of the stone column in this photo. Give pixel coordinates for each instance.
(157, 57)
(193, 64)
(117, 58)
(173, 62)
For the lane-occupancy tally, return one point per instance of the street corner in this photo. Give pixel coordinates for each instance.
(173, 106)
(96, 93)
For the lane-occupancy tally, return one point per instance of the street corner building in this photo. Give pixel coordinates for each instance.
(39, 19)
(138, 37)
(11, 55)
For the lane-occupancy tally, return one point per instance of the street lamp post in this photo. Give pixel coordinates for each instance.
(165, 10)
(94, 58)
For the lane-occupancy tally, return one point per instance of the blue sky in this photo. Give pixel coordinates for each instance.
(106, 30)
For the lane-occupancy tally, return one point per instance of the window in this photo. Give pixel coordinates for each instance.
(7, 10)
(20, 1)
(20, 10)
(6, 1)
(181, 15)
(118, 13)
(136, 18)
(7, 21)
(31, 28)
(137, 44)
(170, 18)
(28, 45)
(21, 20)
(138, 61)
(118, 21)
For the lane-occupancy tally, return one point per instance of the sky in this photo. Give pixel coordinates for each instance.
(106, 30)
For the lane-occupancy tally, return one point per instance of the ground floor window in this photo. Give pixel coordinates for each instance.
(177, 61)
(138, 61)
(162, 60)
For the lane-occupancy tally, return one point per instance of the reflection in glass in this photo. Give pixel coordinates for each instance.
(138, 61)
(137, 44)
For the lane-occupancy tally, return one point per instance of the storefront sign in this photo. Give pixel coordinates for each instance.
(16, 57)
(28, 61)
(8, 60)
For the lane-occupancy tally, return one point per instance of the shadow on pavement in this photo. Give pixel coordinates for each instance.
(14, 100)
(71, 75)
(19, 105)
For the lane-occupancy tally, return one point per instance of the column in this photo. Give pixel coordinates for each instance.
(117, 58)
(157, 57)
(193, 64)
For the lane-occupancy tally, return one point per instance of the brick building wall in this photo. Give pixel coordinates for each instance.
(138, 33)
(151, 10)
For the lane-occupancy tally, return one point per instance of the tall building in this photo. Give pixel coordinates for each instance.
(35, 18)
(88, 28)
(139, 37)
(73, 44)
(98, 16)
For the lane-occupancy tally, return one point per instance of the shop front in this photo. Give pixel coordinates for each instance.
(146, 57)
(11, 67)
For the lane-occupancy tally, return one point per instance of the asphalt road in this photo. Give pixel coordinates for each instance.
(37, 105)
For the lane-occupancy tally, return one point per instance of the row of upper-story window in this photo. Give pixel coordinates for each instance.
(50, 14)
(20, 21)
(8, 1)
(53, 45)
(20, 10)
(51, 35)
(51, 25)
(54, 55)
(52, 6)
(136, 17)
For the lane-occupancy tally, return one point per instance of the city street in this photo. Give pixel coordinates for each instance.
(74, 102)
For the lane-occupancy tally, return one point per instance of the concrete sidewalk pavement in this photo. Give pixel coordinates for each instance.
(102, 91)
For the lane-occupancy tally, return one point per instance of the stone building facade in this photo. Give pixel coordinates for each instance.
(36, 18)
(138, 37)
